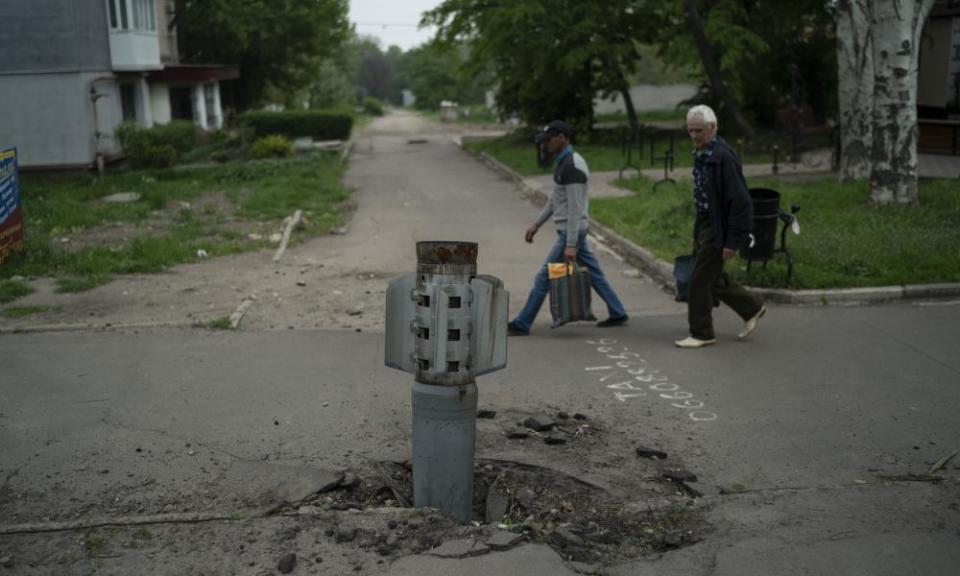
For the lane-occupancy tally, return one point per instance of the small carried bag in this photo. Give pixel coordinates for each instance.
(569, 293)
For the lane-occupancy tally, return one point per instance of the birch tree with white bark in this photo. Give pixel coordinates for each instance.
(855, 78)
(878, 49)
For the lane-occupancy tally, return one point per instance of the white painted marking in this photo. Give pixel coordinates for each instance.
(635, 366)
(625, 385)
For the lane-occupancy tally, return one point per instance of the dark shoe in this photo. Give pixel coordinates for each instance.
(514, 330)
(613, 321)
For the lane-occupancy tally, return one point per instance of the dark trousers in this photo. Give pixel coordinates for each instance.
(709, 283)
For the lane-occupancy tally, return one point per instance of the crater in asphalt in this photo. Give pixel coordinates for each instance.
(581, 521)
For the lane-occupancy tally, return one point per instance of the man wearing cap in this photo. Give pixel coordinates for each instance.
(723, 224)
(567, 205)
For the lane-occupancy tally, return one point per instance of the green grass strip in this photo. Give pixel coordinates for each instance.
(10, 290)
(845, 241)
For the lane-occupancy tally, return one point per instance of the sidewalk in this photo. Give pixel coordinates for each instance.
(939, 166)
(602, 185)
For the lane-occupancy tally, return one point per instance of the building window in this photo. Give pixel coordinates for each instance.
(132, 14)
(128, 102)
(112, 9)
(144, 16)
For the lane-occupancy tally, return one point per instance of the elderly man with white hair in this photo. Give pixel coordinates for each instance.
(723, 224)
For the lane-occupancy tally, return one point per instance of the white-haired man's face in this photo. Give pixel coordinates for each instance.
(700, 132)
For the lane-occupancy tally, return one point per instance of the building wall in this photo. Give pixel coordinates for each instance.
(169, 53)
(53, 36)
(160, 101)
(52, 51)
(51, 120)
(933, 83)
(647, 97)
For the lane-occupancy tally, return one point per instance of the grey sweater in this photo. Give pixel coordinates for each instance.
(569, 200)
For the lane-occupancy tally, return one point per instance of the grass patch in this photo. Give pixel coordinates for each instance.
(74, 284)
(222, 323)
(845, 242)
(95, 545)
(143, 534)
(23, 311)
(10, 290)
(57, 205)
(471, 114)
(519, 153)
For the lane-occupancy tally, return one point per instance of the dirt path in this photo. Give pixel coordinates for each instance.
(327, 282)
(410, 183)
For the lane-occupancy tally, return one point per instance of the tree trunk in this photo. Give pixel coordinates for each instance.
(855, 74)
(897, 26)
(713, 71)
(631, 111)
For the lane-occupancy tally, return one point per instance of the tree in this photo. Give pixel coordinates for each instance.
(757, 58)
(878, 58)
(549, 57)
(437, 71)
(375, 71)
(855, 73)
(705, 49)
(277, 44)
(333, 87)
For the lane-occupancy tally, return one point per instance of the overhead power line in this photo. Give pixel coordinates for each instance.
(390, 24)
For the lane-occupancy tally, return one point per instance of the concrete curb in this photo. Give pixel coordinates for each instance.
(85, 326)
(661, 271)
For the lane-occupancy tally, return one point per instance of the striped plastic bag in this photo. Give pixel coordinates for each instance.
(569, 293)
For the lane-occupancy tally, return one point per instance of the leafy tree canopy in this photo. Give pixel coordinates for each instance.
(277, 44)
(549, 57)
(772, 55)
(438, 71)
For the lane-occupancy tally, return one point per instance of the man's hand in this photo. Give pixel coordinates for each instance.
(531, 232)
(570, 252)
(729, 253)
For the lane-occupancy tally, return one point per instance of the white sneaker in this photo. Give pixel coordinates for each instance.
(691, 342)
(751, 324)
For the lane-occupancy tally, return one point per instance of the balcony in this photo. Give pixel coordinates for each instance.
(134, 50)
(134, 41)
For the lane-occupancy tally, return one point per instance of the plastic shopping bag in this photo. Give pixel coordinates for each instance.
(569, 293)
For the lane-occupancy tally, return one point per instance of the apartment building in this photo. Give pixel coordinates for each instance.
(71, 71)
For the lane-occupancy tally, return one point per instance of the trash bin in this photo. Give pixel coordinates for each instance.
(449, 111)
(766, 213)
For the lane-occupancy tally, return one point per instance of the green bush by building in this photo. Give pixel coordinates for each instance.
(273, 146)
(320, 125)
(157, 147)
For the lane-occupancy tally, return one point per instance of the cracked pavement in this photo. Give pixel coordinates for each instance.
(812, 440)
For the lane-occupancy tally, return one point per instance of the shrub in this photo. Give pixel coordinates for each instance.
(322, 125)
(157, 147)
(273, 146)
(372, 106)
(163, 156)
(180, 134)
